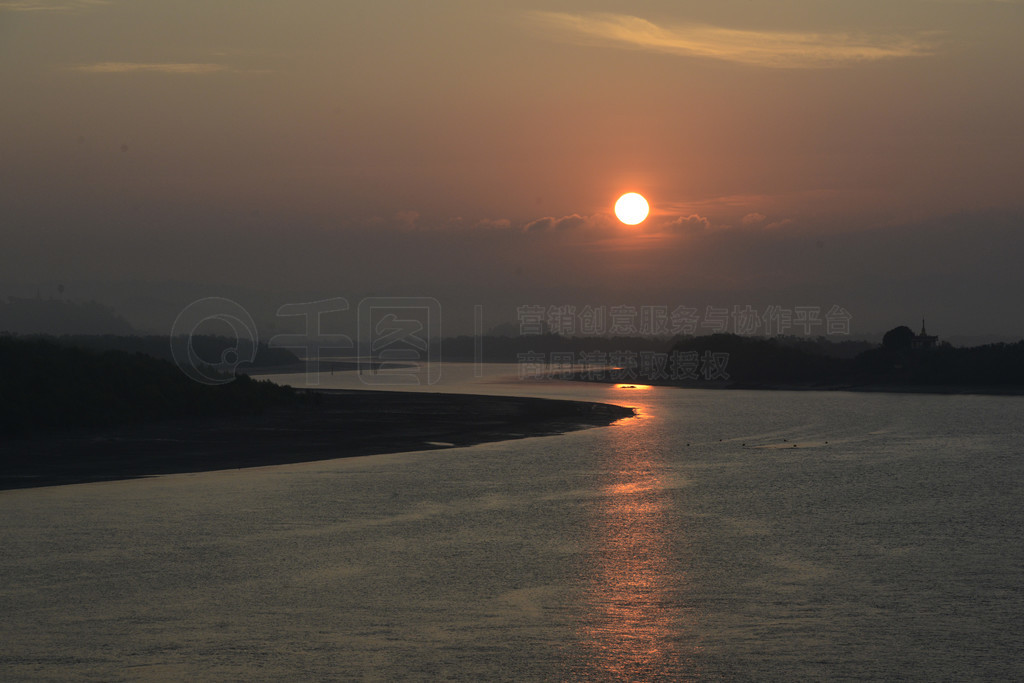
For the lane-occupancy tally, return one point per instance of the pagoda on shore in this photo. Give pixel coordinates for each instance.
(923, 340)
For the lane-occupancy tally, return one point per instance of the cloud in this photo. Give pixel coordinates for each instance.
(577, 229)
(743, 209)
(407, 219)
(604, 226)
(151, 67)
(493, 224)
(775, 49)
(50, 5)
(692, 223)
(550, 224)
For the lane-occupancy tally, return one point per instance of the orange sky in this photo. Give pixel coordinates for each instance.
(245, 142)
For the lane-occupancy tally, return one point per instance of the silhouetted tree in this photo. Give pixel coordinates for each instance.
(898, 338)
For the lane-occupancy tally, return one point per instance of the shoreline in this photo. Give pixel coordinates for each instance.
(936, 390)
(333, 424)
(324, 366)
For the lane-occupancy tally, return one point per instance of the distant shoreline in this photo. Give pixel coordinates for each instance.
(940, 390)
(303, 366)
(937, 389)
(334, 424)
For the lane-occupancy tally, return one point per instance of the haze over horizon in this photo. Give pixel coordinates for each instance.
(822, 153)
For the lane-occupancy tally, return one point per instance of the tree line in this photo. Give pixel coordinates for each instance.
(47, 386)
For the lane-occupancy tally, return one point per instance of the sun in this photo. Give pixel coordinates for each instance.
(632, 208)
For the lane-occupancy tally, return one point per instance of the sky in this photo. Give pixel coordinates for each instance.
(868, 155)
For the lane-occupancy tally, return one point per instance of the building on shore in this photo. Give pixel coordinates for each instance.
(924, 340)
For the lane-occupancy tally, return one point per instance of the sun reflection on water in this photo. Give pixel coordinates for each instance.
(636, 626)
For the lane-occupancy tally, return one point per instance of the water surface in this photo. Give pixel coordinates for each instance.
(744, 535)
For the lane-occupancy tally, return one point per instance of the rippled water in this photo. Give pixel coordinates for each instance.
(694, 542)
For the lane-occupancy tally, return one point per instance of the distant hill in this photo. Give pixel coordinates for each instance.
(502, 349)
(210, 349)
(768, 361)
(758, 362)
(508, 348)
(59, 316)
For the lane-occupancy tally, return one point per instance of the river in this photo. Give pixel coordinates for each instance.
(718, 535)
